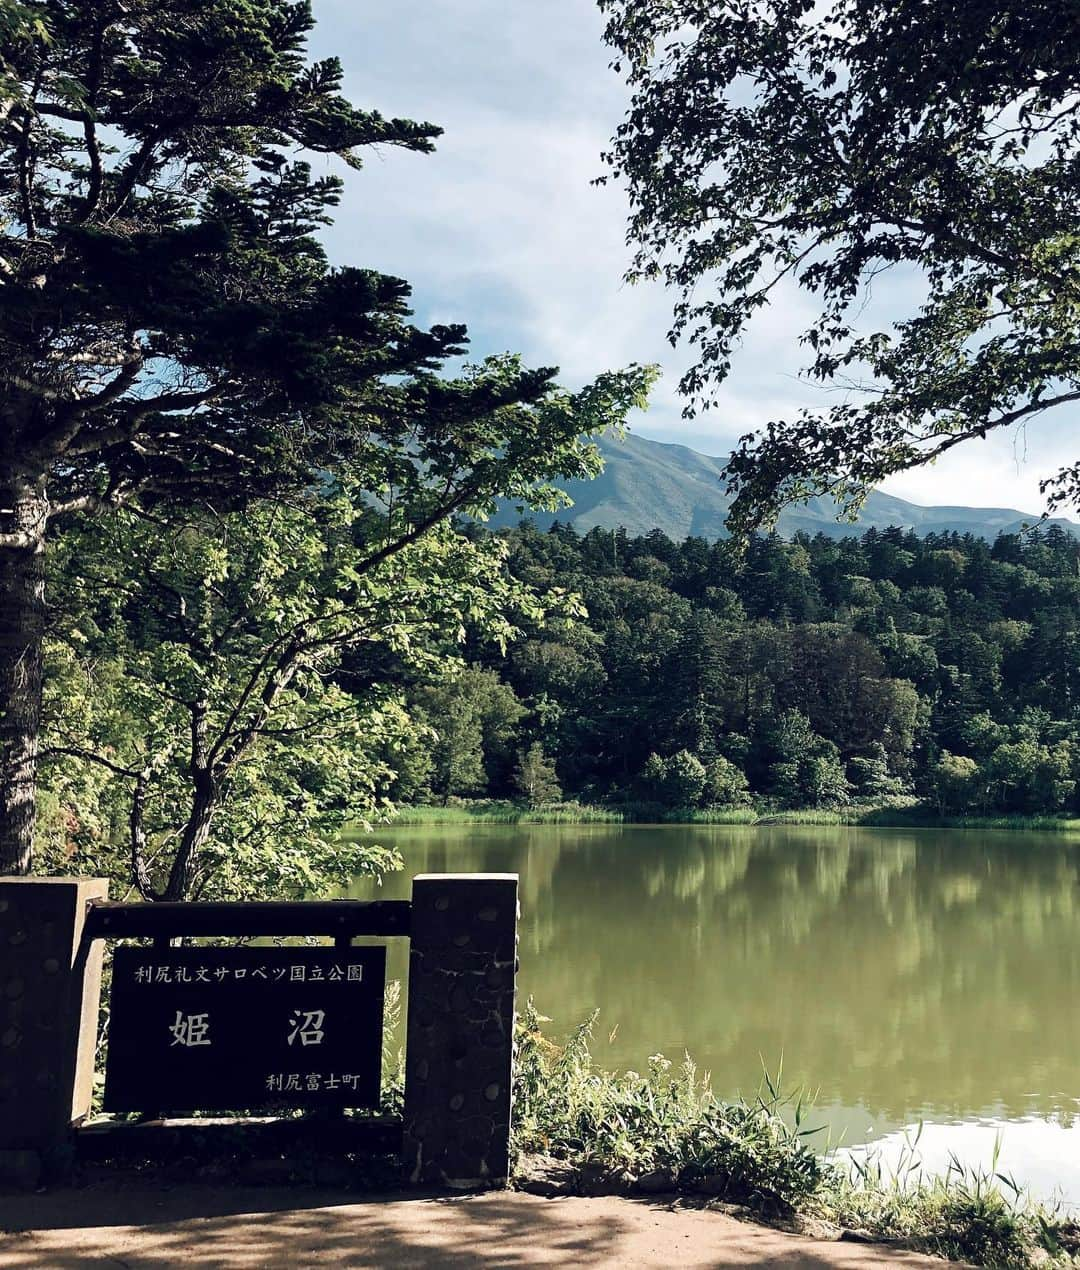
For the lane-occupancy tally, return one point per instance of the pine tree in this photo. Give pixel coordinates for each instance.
(535, 777)
(170, 327)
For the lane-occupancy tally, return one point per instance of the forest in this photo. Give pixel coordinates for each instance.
(813, 673)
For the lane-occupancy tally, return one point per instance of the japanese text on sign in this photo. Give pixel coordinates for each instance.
(237, 1028)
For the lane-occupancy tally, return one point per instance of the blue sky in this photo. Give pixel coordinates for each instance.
(501, 228)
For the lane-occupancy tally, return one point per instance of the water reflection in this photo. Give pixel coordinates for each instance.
(905, 974)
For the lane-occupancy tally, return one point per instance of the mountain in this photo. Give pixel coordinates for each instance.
(655, 485)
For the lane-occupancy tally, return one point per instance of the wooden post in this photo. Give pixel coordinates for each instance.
(459, 1043)
(50, 986)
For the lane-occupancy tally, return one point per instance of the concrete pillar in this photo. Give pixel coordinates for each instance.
(459, 1041)
(50, 986)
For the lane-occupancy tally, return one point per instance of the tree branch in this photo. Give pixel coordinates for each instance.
(72, 751)
(1014, 416)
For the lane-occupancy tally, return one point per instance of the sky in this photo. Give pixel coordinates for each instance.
(502, 229)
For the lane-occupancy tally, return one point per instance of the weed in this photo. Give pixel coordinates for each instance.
(758, 1153)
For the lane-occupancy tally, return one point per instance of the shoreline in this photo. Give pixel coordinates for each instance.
(497, 812)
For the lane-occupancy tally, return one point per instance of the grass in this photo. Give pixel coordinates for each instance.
(899, 813)
(711, 816)
(662, 1120)
(667, 1124)
(499, 812)
(981, 1216)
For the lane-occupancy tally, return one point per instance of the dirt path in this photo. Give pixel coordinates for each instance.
(142, 1227)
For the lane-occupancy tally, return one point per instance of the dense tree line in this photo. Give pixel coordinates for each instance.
(807, 673)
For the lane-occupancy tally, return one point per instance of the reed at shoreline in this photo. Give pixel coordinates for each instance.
(916, 816)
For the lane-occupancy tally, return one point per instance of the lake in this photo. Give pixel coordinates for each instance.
(907, 976)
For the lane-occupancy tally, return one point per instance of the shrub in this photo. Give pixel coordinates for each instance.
(678, 781)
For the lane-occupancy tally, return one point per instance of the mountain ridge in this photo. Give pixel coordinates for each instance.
(648, 484)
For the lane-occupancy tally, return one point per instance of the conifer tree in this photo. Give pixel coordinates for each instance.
(170, 327)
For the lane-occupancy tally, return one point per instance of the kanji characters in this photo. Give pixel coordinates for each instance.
(307, 1027)
(190, 1030)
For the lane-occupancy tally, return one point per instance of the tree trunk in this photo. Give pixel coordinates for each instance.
(194, 838)
(23, 513)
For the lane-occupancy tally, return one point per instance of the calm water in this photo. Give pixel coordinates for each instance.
(906, 976)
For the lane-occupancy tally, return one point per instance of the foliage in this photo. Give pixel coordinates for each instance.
(899, 811)
(535, 777)
(659, 1120)
(1024, 776)
(832, 670)
(170, 325)
(473, 716)
(870, 773)
(170, 321)
(676, 781)
(224, 696)
(725, 784)
(979, 1217)
(778, 151)
(682, 781)
(806, 770)
(500, 812)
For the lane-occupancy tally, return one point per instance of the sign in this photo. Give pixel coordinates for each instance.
(231, 1029)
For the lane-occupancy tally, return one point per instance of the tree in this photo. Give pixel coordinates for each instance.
(200, 670)
(955, 780)
(821, 780)
(806, 771)
(676, 781)
(473, 716)
(457, 756)
(773, 145)
(693, 685)
(1026, 777)
(535, 777)
(870, 773)
(725, 784)
(684, 779)
(795, 705)
(171, 328)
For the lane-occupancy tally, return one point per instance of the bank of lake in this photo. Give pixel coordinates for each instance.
(898, 813)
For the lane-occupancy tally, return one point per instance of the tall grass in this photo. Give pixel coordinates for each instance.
(651, 813)
(666, 1126)
(663, 1120)
(496, 812)
(809, 816)
(926, 818)
(899, 814)
(981, 1216)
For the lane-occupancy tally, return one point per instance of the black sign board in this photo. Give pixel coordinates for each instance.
(245, 1028)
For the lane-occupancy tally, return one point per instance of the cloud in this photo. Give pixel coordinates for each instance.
(503, 229)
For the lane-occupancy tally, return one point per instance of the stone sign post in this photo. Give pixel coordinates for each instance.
(50, 985)
(459, 1046)
(260, 1026)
